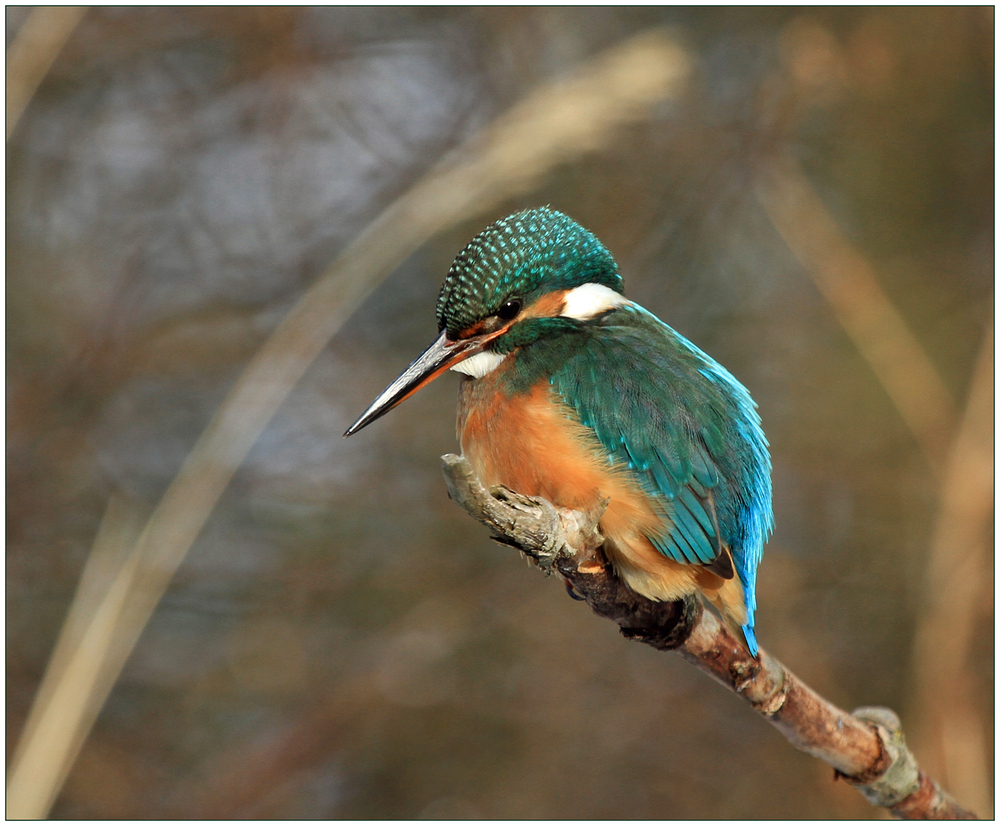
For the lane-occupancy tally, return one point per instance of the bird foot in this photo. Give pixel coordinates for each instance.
(590, 566)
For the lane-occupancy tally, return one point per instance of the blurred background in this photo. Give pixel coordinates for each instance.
(342, 641)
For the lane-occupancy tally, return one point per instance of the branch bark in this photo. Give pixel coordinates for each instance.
(866, 748)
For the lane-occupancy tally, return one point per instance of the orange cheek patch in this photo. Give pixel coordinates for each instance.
(547, 306)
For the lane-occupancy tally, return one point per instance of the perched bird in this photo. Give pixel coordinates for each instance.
(573, 393)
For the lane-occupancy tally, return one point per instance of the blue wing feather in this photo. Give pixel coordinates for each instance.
(662, 407)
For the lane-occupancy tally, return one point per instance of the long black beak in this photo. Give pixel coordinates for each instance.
(430, 364)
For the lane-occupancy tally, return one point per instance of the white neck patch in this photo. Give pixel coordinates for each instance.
(590, 300)
(480, 364)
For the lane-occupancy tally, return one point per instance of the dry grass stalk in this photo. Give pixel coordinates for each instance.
(81, 671)
(958, 585)
(34, 50)
(851, 287)
(556, 124)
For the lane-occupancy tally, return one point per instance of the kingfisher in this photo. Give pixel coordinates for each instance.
(573, 393)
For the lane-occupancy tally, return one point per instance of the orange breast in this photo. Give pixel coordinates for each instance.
(533, 444)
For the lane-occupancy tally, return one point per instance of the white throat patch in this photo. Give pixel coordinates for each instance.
(480, 364)
(590, 300)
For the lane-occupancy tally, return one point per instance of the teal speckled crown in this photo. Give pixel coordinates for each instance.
(518, 256)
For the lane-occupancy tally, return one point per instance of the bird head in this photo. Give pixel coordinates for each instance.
(520, 279)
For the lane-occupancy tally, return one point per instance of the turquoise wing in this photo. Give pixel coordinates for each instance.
(665, 409)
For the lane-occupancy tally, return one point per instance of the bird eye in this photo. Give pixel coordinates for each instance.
(510, 309)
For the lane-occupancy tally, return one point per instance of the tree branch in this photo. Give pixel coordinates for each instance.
(866, 748)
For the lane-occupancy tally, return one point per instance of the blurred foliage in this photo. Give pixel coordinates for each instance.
(344, 642)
